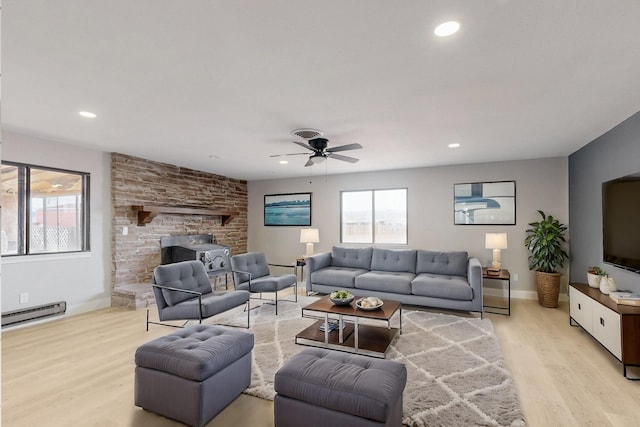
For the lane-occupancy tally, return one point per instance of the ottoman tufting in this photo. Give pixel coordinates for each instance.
(327, 388)
(192, 374)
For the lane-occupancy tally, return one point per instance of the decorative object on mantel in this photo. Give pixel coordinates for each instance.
(607, 285)
(545, 241)
(309, 236)
(594, 274)
(146, 213)
(495, 241)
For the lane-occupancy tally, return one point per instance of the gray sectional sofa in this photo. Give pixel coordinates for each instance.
(447, 280)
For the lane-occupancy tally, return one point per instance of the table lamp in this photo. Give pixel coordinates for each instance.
(309, 236)
(495, 241)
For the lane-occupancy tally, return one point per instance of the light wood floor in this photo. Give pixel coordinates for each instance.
(78, 371)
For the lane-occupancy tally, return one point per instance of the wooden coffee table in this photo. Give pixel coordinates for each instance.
(365, 339)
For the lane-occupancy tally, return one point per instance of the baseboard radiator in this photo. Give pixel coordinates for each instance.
(15, 317)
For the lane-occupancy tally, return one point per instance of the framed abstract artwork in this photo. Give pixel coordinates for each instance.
(484, 203)
(293, 209)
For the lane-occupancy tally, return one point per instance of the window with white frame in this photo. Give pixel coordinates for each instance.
(44, 210)
(374, 216)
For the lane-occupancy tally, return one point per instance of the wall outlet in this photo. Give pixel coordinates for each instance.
(515, 277)
(125, 230)
(24, 297)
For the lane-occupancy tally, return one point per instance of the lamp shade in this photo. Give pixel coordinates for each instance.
(309, 235)
(495, 240)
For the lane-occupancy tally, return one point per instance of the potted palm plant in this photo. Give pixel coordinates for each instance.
(545, 241)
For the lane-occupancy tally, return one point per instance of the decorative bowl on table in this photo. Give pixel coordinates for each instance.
(369, 303)
(341, 297)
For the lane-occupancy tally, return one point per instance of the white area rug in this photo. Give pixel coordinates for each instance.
(456, 373)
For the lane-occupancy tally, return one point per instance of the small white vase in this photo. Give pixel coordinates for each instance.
(607, 285)
(593, 280)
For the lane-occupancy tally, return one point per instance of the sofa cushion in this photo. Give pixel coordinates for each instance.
(438, 286)
(394, 260)
(351, 257)
(445, 263)
(386, 281)
(341, 277)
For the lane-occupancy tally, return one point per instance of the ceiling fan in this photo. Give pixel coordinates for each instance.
(320, 151)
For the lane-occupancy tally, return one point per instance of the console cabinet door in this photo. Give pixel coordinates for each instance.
(606, 329)
(580, 308)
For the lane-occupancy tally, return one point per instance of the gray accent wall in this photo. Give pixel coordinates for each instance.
(612, 155)
(540, 184)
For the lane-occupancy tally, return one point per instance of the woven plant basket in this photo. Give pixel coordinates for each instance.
(548, 286)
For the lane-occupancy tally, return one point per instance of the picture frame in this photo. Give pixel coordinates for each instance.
(290, 209)
(484, 203)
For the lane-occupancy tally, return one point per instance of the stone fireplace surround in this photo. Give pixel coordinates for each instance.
(136, 249)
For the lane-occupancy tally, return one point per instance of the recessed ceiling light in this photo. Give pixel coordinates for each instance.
(214, 157)
(454, 145)
(284, 162)
(87, 114)
(447, 28)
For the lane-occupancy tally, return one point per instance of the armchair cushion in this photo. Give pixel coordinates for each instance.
(254, 263)
(269, 283)
(212, 303)
(188, 275)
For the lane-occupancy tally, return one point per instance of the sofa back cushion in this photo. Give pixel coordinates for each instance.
(445, 263)
(351, 257)
(394, 260)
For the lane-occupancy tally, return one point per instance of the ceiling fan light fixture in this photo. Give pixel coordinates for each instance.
(307, 133)
(317, 158)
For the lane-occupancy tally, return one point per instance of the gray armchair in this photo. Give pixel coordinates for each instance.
(183, 292)
(251, 273)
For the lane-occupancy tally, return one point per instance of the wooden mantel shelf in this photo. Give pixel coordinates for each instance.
(146, 213)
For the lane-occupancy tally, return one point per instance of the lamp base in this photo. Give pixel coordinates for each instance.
(309, 249)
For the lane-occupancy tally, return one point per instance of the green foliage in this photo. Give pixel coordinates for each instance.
(545, 241)
(597, 270)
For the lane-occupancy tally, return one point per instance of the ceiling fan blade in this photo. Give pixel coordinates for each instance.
(344, 158)
(309, 163)
(345, 147)
(302, 144)
(289, 154)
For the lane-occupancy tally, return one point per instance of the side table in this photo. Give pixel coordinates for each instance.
(503, 276)
(300, 262)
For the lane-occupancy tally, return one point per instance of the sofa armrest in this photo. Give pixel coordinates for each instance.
(316, 262)
(474, 276)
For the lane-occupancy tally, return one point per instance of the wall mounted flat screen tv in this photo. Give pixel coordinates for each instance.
(621, 222)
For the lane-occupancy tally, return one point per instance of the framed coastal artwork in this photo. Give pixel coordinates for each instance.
(293, 209)
(484, 203)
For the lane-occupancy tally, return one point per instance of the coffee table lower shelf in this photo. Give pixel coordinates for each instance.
(372, 340)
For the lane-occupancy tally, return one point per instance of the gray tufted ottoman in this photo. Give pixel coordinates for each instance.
(324, 388)
(192, 374)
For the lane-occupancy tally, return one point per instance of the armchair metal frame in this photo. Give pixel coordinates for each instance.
(295, 285)
(228, 300)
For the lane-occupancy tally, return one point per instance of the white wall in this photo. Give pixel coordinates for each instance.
(540, 184)
(82, 280)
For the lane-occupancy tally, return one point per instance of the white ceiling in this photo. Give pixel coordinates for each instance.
(180, 81)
